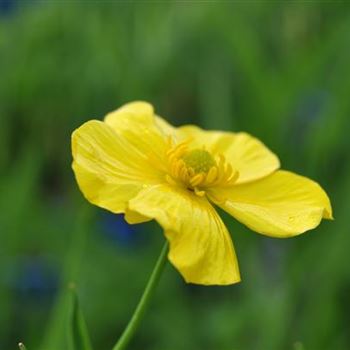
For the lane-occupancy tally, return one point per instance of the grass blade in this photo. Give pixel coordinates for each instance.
(78, 334)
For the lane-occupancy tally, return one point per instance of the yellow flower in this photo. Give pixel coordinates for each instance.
(135, 163)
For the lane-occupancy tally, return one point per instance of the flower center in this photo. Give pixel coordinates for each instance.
(199, 160)
(197, 169)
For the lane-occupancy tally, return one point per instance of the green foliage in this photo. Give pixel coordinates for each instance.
(79, 338)
(276, 70)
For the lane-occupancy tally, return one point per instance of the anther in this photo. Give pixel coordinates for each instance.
(198, 192)
(197, 179)
(212, 174)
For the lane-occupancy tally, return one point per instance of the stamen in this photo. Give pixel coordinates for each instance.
(212, 174)
(197, 169)
(177, 167)
(198, 192)
(197, 179)
(234, 176)
(228, 170)
(170, 180)
(191, 172)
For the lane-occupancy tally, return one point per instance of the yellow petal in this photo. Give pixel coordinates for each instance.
(281, 205)
(248, 155)
(165, 128)
(137, 123)
(136, 108)
(200, 246)
(132, 217)
(108, 169)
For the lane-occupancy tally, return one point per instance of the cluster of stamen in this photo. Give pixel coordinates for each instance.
(197, 169)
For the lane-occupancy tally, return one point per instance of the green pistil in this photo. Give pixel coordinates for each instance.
(199, 160)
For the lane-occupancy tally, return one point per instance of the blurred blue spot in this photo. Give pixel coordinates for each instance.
(309, 111)
(307, 114)
(6, 6)
(118, 230)
(34, 278)
(311, 106)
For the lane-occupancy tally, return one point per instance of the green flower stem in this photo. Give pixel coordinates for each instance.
(144, 301)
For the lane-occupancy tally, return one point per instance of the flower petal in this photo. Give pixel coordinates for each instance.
(136, 108)
(281, 205)
(246, 154)
(108, 169)
(132, 217)
(200, 246)
(137, 123)
(166, 128)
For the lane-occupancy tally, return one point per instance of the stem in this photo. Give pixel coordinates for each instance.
(144, 301)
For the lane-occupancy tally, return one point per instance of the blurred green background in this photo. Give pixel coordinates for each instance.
(278, 70)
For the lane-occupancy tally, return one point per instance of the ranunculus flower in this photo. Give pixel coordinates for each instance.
(135, 163)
